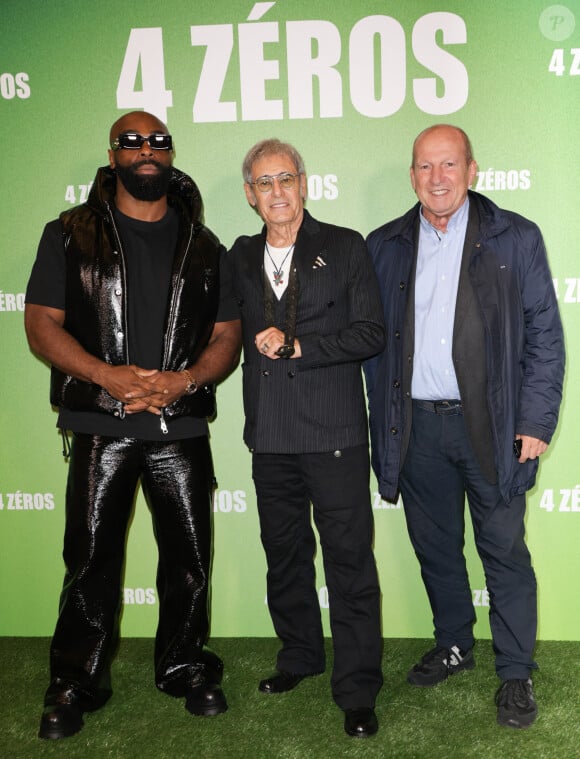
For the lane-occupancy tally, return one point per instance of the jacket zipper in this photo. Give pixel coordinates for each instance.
(171, 320)
(123, 270)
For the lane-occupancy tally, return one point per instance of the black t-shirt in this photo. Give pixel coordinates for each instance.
(149, 248)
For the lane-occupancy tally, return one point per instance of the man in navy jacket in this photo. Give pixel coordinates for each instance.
(463, 401)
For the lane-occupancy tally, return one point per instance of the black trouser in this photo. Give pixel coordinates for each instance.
(337, 484)
(439, 470)
(177, 481)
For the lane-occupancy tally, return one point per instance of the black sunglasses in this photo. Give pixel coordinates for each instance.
(133, 141)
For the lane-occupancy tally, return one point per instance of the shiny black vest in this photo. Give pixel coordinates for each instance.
(96, 295)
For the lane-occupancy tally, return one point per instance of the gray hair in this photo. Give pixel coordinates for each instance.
(269, 147)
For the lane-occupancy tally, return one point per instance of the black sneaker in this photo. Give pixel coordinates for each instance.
(439, 663)
(516, 705)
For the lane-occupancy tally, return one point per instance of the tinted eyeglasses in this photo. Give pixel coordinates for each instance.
(133, 141)
(286, 180)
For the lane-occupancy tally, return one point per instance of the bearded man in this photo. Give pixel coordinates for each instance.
(125, 302)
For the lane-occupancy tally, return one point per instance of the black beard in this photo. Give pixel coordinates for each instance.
(144, 186)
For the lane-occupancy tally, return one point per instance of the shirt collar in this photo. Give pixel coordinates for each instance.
(457, 220)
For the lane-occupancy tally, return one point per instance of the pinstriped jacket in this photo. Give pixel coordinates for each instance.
(314, 403)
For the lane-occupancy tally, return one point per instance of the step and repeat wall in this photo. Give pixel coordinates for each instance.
(350, 84)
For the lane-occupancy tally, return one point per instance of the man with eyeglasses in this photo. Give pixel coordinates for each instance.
(310, 312)
(126, 303)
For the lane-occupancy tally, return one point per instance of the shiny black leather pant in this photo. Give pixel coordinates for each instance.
(177, 481)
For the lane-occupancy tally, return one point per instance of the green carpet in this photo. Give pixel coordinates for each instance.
(453, 720)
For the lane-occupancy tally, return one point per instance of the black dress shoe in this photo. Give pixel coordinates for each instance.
(206, 700)
(281, 681)
(60, 721)
(360, 723)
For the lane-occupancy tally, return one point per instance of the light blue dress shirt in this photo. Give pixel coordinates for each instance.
(438, 266)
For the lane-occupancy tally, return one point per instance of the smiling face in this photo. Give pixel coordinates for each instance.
(441, 173)
(281, 209)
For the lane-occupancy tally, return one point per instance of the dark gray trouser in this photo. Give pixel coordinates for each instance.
(440, 469)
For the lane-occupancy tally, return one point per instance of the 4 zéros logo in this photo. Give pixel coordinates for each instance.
(14, 86)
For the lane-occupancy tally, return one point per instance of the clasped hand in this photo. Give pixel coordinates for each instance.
(143, 389)
(270, 340)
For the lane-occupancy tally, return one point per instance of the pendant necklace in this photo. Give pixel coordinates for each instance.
(278, 270)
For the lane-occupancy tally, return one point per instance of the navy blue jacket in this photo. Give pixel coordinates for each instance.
(524, 345)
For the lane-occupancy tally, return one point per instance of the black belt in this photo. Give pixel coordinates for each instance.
(440, 407)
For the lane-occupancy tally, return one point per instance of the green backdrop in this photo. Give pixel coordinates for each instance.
(350, 84)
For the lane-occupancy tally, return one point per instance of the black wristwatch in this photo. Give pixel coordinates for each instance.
(191, 386)
(286, 351)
